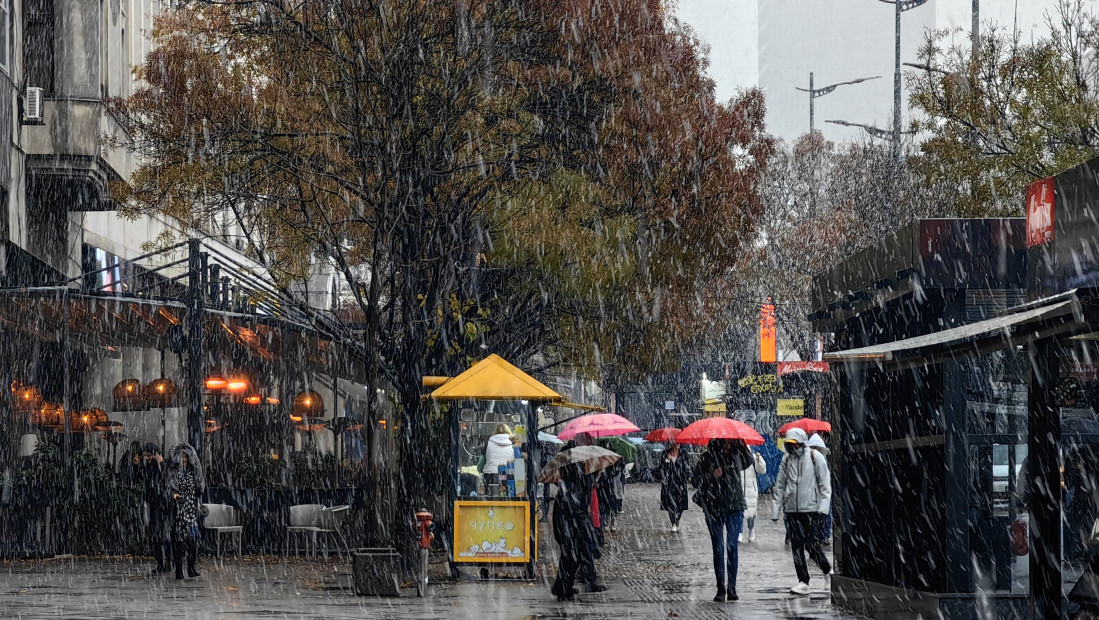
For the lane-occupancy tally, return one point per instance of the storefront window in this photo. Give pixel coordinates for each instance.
(494, 449)
(996, 406)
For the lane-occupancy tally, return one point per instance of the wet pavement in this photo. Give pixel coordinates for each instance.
(651, 573)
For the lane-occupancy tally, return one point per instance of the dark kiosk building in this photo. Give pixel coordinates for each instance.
(966, 426)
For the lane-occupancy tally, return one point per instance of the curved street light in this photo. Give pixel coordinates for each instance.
(824, 90)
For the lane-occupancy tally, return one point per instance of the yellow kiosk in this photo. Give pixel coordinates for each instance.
(494, 518)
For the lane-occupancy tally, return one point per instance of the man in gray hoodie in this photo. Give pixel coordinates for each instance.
(803, 491)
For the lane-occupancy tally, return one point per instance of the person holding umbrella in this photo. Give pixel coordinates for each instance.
(571, 471)
(803, 491)
(721, 495)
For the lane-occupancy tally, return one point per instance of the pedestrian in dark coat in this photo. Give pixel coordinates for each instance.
(721, 495)
(572, 528)
(132, 465)
(154, 475)
(674, 473)
(186, 484)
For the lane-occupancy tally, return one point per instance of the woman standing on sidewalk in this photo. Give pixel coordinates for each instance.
(186, 483)
(721, 495)
(673, 472)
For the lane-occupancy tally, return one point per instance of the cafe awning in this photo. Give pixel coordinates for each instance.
(1052, 316)
(493, 378)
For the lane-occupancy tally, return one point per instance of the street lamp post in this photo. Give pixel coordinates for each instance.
(901, 6)
(877, 132)
(824, 90)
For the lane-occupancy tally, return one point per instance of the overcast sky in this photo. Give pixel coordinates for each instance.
(838, 40)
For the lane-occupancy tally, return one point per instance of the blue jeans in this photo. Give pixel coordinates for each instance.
(724, 530)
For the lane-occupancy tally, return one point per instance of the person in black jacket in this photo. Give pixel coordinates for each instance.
(572, 529)
(674, 472)
(154, 475)
(721, 495)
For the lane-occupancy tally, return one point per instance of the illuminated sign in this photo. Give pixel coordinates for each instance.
(768, 333)
(491, 532)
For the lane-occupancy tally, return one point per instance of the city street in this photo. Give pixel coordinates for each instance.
(651, 573)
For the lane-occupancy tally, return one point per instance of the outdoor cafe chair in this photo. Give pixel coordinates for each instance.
(223, 519)
(331, 522)
(304, 519)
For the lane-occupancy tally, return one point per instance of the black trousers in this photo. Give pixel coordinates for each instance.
(567, 566)
(188, 546)
(804, 528)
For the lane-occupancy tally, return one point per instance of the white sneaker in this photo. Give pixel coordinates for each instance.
(752, 535)
(802, 588)
(740, 537)
(675, 528)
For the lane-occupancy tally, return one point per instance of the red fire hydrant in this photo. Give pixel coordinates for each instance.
(424, 522)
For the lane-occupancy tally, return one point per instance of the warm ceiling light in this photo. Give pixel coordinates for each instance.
(129, 395)
(237, 385)
(216, 383)
(271, 400)
(308, 404)
(253, 399)
(162, 393)
(28, 399)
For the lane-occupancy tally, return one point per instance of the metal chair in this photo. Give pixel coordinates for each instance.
(304, 519)
(223, 519)
(331, 522)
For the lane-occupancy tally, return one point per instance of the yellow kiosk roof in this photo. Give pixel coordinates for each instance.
(493, 378)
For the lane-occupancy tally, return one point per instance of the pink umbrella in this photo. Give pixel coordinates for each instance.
(598, 425)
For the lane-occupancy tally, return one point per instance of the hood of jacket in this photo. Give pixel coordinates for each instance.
(502, 440)
(175, 462)
(817, 442)
(798, 435)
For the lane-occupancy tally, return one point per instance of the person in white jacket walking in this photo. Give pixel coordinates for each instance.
(751, 494)
(803, 491)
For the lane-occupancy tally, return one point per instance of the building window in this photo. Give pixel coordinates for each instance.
(38, 44)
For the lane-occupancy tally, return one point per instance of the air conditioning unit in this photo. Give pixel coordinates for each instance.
(32, 107)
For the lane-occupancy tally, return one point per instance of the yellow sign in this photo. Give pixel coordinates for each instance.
(714, 406)
(760, 384)
(492, 532)
(791, 407)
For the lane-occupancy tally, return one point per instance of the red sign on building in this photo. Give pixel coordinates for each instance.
(768, 332)
(789, 367)
(1039, 212)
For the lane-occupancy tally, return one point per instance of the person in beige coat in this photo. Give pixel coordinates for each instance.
(751, 494)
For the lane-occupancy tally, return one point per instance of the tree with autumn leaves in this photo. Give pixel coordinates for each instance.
(550, 177)
(1010, 112)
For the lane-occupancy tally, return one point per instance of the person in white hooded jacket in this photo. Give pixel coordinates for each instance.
(498, 451)
(751, 494)
(803, 491)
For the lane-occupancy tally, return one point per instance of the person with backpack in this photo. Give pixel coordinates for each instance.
(803, 492)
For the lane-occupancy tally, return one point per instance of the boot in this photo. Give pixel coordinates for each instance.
(720, 596)
(730, 595)
(177, 554)
(192, 556)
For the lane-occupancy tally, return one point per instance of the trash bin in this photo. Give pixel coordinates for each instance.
(376, 571)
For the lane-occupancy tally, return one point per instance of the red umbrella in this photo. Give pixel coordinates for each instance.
(700, 433)
(809, 425)
(663, 434)
(598, 425)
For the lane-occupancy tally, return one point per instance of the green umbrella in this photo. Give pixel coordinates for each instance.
(620, 446)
